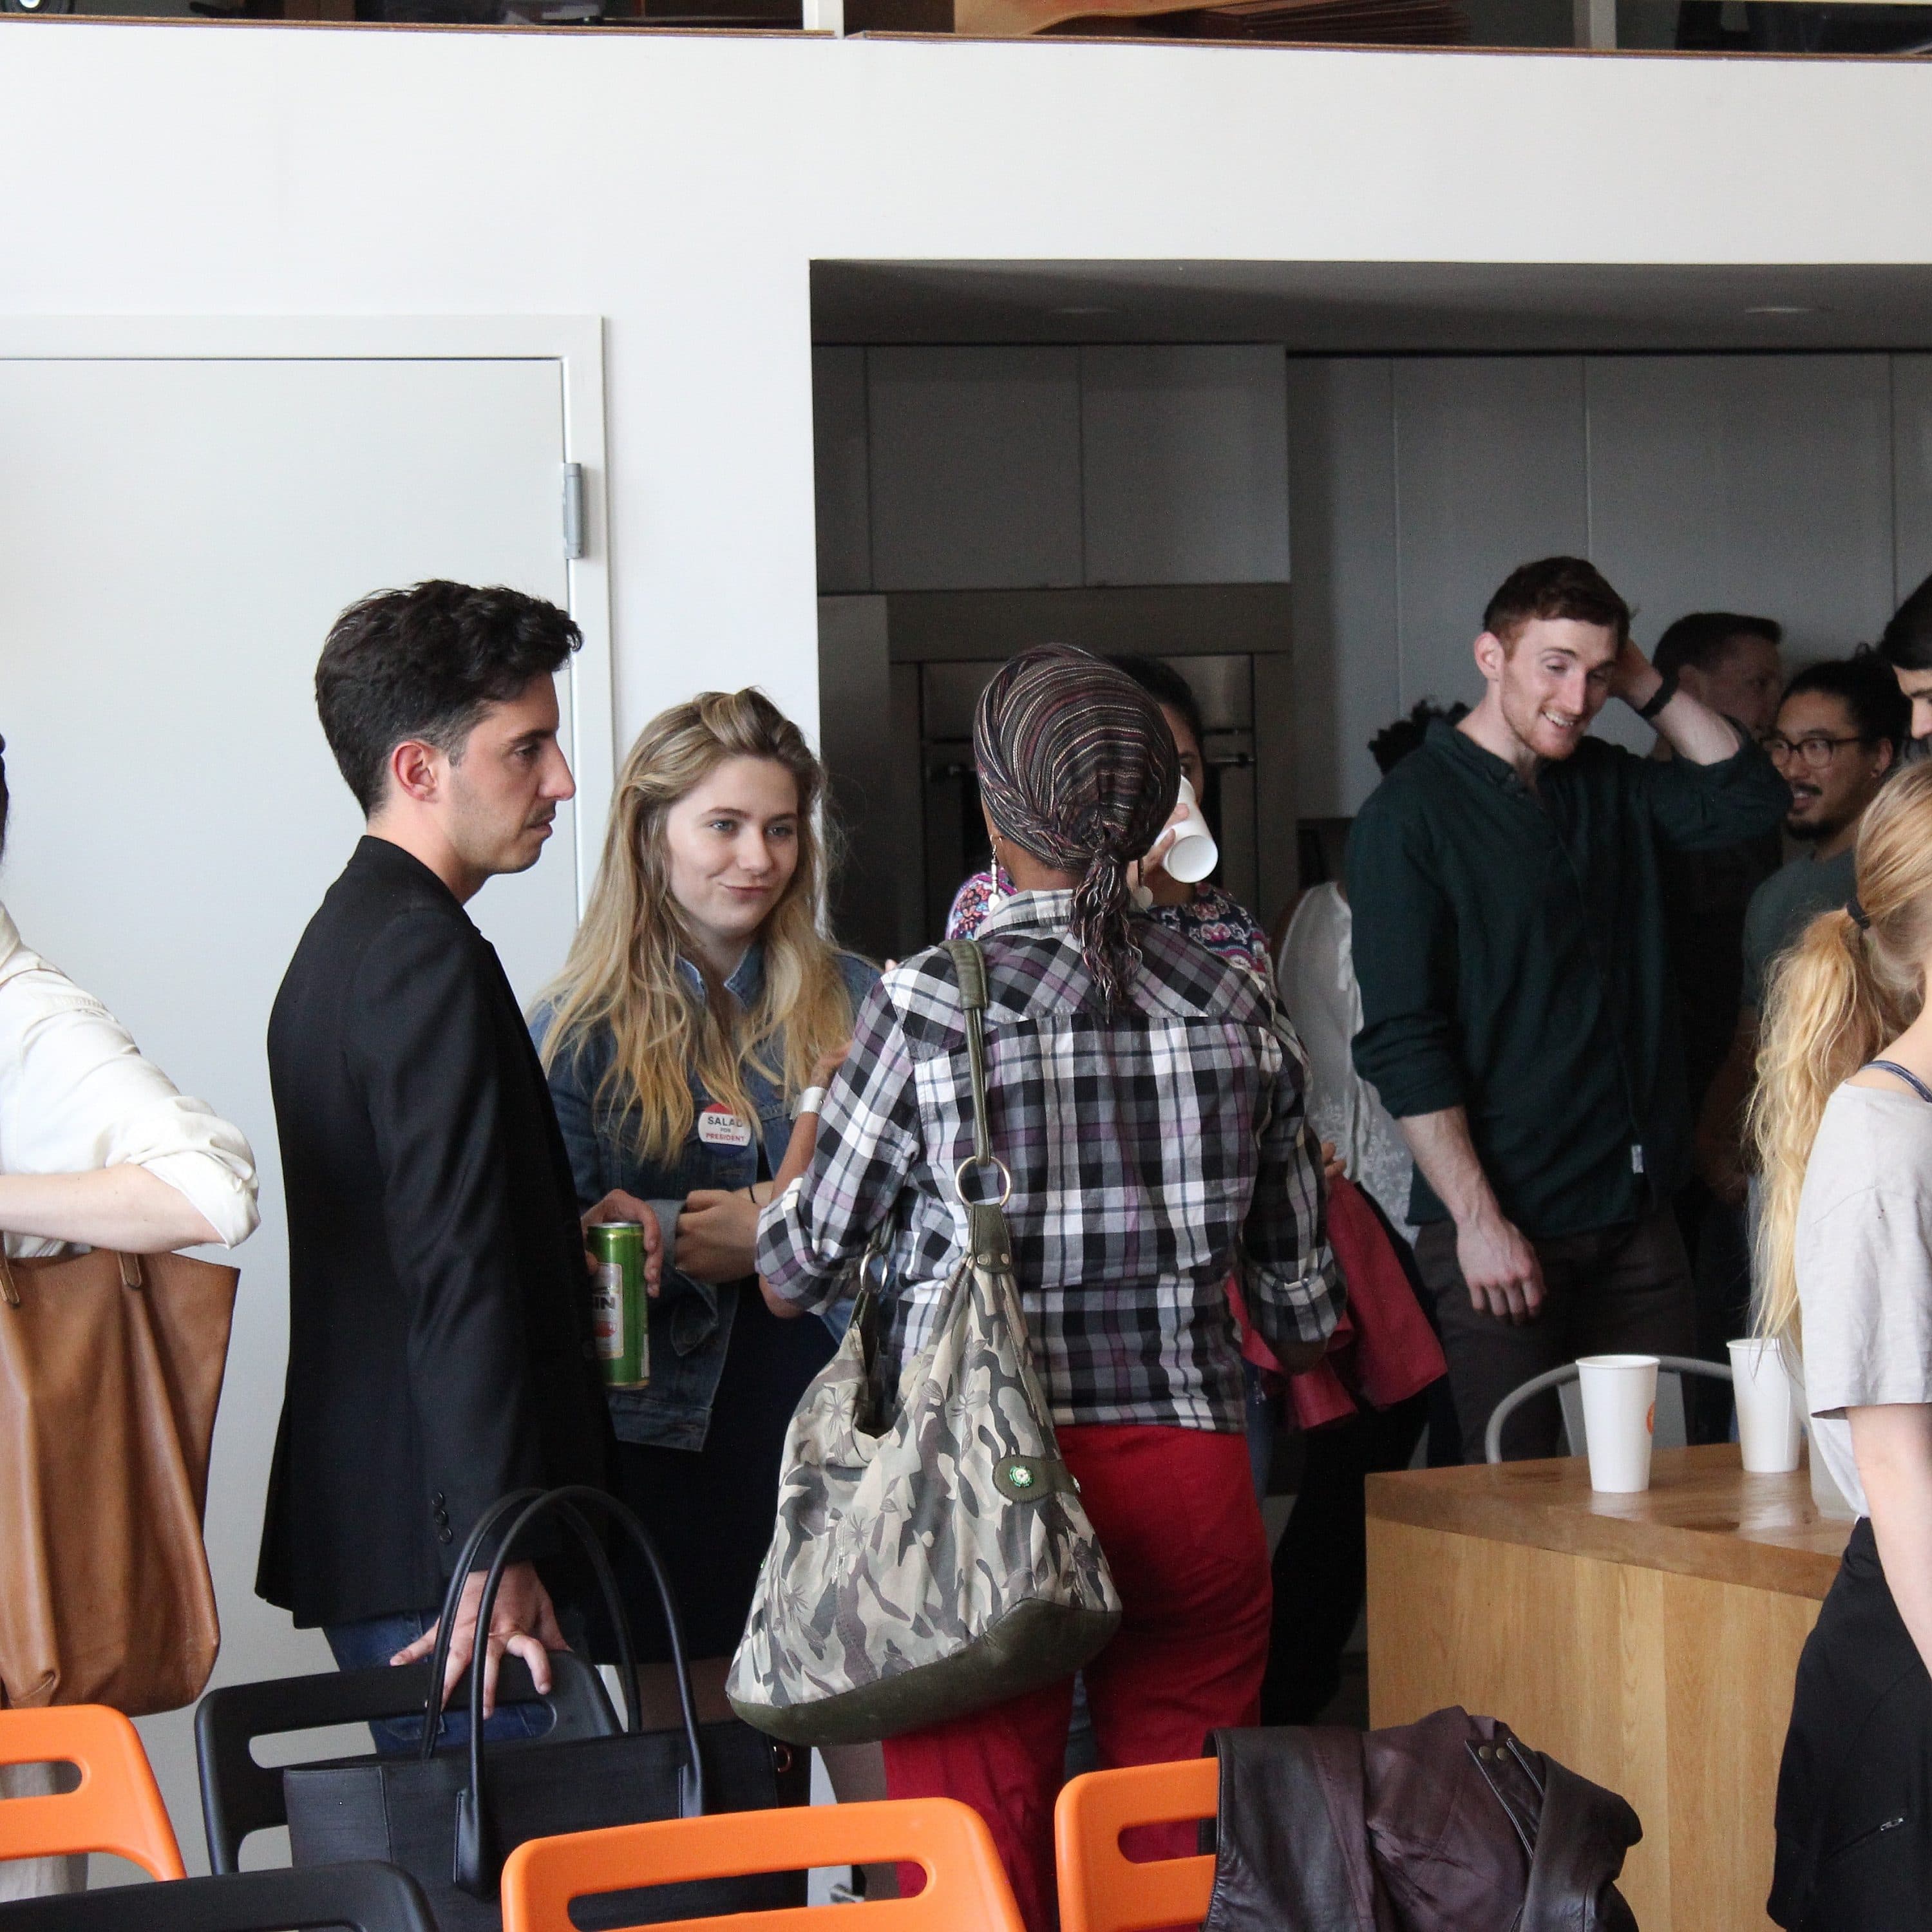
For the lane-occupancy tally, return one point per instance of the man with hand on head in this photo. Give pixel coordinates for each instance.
(440, 1344)
(1519, 1016)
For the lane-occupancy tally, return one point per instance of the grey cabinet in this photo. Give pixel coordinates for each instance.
(1184, 464)
(975, 461)
(1489, 473)
(1348, 660)
(1018, 469)
(841, 465)
(1912, 473)
(1754, 483)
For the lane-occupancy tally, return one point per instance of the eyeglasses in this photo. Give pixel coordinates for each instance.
(1815, 751)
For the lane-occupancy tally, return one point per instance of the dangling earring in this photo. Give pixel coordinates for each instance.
(994, 897)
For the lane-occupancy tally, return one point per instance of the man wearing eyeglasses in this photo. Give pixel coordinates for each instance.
(1840, 730)
(1842, 727)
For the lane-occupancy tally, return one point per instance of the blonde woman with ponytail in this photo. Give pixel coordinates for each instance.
(1843, 1123)
(700, 1005)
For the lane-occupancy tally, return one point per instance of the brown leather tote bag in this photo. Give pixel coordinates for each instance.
(110, 1370)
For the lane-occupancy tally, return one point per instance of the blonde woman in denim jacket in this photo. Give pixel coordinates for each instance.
(699, 1002)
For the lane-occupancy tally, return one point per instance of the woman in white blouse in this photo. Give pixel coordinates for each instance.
(1315, 973)
(98, 1149)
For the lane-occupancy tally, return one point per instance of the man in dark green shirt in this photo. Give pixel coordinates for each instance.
(1520, 1018)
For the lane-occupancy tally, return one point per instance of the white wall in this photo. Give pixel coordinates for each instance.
(681, 187)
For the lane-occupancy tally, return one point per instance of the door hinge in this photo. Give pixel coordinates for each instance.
(573, 510)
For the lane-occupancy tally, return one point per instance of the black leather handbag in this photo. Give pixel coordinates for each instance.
(450, 1818)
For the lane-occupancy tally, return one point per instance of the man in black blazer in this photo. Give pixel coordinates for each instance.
(439, 1343)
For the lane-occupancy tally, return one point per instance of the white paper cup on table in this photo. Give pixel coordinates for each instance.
(1619, 1413)
(1193, 854)
(1767, 1406)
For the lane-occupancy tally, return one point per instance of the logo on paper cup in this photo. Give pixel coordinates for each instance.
(1650, 1420)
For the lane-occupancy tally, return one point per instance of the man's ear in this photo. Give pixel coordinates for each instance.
(416, 771)
(1491, 654)
(1887, 758)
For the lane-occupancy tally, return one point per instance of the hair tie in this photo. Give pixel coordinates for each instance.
(1857, 913)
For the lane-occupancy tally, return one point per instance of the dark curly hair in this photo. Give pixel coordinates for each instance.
(1863, 684)
(426, 663)
(1907, 641)
(1393, 743)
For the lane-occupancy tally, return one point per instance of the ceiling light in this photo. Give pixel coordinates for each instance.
(1782, 308)
(1083, 311)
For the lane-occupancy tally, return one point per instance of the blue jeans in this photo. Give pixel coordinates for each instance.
(374, 1640)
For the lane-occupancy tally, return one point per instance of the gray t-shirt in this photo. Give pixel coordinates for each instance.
(1863, 1256)
(1784, 905)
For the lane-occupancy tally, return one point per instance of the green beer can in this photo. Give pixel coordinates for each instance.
(618, 1316)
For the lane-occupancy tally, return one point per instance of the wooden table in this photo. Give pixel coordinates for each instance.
(1647, 1642)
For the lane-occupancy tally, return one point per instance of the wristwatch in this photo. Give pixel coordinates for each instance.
(1660, 698)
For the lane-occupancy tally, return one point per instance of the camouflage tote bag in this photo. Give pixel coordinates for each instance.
(936, 1559)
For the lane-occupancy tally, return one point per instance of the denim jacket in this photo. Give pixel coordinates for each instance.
(691, 1320)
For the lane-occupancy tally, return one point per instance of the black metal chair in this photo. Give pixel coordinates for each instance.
(239, 1796)
(364, 1897)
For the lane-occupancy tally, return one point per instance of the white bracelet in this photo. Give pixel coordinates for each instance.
(810, 1101)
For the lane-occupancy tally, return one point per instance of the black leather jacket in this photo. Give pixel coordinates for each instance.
(1438, 1826)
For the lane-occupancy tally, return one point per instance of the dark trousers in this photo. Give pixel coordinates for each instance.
(1854, 1833)
(1320, 1564)
(1625, 1290)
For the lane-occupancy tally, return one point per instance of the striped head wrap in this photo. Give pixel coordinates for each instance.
(1078, 767)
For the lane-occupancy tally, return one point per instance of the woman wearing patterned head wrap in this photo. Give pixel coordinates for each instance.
(1207, 914)
(1146, 1096)
(1077, 769)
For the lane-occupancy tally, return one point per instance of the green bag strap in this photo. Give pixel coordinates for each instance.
(987, 1225)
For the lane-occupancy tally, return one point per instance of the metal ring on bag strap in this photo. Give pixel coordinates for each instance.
(984, 1160)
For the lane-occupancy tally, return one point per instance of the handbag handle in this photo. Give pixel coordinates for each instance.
(985, 1223)
(466, 1562)
(10, 1292)
(477, 1861)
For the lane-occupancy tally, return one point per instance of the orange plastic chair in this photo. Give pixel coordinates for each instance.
(117, 1808)
(1102, 1889)
(966, 1888)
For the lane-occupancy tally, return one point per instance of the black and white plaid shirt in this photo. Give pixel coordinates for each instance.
(1150, 1151)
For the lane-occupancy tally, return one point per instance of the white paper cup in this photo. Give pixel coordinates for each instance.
(1767, 1406)
(1619, 1413)
(1193, 854)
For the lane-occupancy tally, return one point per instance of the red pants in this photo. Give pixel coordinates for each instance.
(1175, 1510)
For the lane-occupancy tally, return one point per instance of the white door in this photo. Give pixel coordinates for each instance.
(175, 536)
